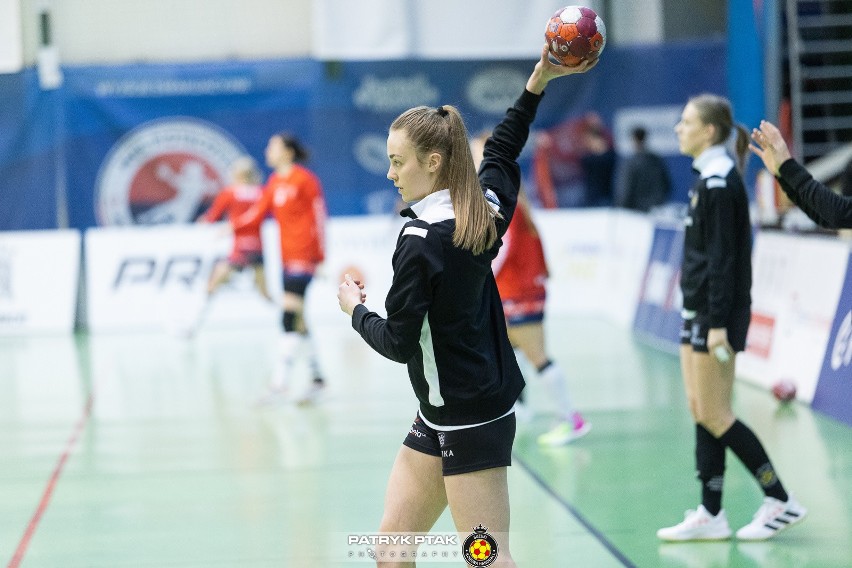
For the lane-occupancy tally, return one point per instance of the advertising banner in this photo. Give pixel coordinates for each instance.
(39, 273)
(833, 394)
(658, 317)
(155, 278)
(796, 283)
(150, 143)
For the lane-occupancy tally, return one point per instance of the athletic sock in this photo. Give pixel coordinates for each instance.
(310, 354)
(288, 347)
(749, 450)
(710, 463)
(553, 380)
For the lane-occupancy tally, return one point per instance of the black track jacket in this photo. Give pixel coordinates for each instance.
(716, 270)
(445, 318)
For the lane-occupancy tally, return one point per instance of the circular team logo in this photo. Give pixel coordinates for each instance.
(164, 171)
(480, 548)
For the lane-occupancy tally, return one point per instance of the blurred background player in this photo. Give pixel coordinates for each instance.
(521, 272)
(293, 195)
(598, 162)
(234, 200)
(716, 286)
(645, 182)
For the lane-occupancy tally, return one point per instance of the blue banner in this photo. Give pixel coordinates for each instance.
(833, 394)
(142, 144)
(29, 159)
(658, 317)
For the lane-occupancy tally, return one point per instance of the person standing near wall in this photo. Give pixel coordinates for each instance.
(293, 195)
(716, 286)
(598, 162)
(645, 182)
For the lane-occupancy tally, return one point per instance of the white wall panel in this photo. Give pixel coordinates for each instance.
(11, 42)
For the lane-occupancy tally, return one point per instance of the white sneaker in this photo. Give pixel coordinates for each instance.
(698, 524)
(565, 433)
(313, 392)
(773, 517)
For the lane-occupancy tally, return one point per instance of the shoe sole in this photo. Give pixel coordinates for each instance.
(695, 539)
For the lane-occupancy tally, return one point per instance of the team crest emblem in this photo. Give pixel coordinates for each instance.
(164, 171)
(480, 548)
(693, 199)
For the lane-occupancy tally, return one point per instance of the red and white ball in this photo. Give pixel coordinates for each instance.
(575, 33)
(784, 391)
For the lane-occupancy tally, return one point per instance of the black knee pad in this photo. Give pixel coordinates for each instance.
(288, 321)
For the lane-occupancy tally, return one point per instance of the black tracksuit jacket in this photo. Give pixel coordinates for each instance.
(716, 270)
(825, 207)
(444, 315)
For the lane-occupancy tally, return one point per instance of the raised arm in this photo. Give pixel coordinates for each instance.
(820, 203)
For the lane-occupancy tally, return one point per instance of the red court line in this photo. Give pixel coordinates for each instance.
(18, 557)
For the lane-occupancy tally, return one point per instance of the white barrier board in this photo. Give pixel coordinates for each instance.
(39, 273)
(156, 278)
(797, 282)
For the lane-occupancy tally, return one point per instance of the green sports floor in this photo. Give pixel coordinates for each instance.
(145, 450)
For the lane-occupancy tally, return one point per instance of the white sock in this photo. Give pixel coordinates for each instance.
(310, 353)
(288, 347)
(553, 380)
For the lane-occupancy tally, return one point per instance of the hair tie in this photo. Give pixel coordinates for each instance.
(442, 111)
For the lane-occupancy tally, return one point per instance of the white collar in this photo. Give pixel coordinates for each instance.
(707, 156)
(435, 207)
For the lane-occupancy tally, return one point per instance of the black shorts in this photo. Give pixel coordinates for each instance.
(296, 283)
(694, 331)
(466, 449)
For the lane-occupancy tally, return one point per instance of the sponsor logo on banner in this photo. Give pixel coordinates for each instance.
(840, 353)
(164, 171)
(394, 94)
(38, 281)
(181, 270)
(371, 153)
(494, 90)
(760, 332)
(833, 394)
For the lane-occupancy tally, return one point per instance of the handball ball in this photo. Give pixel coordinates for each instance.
(784, 391)
(575, 33)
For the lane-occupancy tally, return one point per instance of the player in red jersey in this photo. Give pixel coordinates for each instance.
(293, 195)
(230, 203)
(520, 270)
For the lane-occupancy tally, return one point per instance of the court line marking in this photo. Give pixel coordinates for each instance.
(24, 543)
(599, 536)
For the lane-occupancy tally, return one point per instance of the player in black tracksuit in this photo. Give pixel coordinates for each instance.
(825, 207)
(716, 270)
(716, 284)
(445, 318)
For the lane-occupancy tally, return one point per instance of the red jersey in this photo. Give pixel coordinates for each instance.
(520, 268)
(233, 201)
(296, 201)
